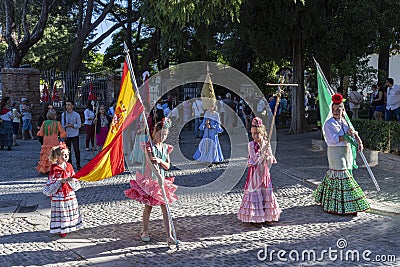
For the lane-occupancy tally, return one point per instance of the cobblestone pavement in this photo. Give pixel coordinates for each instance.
(206, 222)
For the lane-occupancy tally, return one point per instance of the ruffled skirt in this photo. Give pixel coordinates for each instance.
(339, 193)
(44, 163)
(259, 206)
(148, 191)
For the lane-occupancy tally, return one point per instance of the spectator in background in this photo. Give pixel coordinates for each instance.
(228, 115)
(89, 126)
(261, 107)
(15, 122)
(355, 99)
(284, 108)
(46, 108)
(103, 122)
(372, 104)
(166, 109)
(198, 112)
(221, 109)
(111, 109)
(26, 109)
(248, 114)
(240, 111)
(71, 122)
(392, 100)
(273, 102)
(379, 103)
(6, 127)
(187, 112)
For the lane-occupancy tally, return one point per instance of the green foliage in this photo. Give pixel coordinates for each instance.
(379, 135)
(53, 51)
(114, 54)
(94, 63)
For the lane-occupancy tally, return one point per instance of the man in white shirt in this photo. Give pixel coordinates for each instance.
(392, 100)
(198, 111)
(71, 122)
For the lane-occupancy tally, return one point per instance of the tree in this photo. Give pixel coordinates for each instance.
(278, 30)
(89, 14)
(24, 26)
(182, 25)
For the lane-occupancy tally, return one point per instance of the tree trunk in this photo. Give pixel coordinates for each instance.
(326, 68)
(298, 124)
(12, 59)
(76, 55)
(383, 64)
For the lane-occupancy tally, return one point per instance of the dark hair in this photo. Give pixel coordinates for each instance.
(374, 86)
(46, 109)
(89, 105)
(390, 80)
(69, 101)
(4, 101)
(158, 126)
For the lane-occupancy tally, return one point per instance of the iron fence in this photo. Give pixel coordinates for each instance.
(74, 86)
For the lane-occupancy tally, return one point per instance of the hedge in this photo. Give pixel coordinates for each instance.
(379, 135)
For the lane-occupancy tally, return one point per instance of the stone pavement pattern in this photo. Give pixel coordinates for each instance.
(206, 223)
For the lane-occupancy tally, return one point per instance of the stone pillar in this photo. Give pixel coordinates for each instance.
(23, 82)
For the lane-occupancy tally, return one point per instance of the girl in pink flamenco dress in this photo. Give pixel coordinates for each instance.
(146, 187)
(259, 204)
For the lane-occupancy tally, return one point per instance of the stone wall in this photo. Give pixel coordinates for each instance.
(23, 82)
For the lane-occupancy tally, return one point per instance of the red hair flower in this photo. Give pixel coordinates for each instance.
(337, 98)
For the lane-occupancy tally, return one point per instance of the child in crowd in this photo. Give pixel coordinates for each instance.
(259, 204)
(60, 186)
(146, 188)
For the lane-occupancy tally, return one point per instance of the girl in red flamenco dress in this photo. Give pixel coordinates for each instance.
(61, 187)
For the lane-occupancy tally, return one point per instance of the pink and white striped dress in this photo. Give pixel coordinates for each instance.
(65, 216)
(259, 203)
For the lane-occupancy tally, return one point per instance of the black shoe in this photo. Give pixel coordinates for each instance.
(79, 167)
(16, 144)
(9, 148)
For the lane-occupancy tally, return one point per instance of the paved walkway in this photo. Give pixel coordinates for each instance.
(205, 221)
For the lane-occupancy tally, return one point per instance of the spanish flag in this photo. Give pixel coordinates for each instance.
(110, 160)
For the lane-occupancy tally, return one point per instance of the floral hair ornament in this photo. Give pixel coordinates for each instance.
(337, 98)
(257, 122)
(62, 146)
(166, 123)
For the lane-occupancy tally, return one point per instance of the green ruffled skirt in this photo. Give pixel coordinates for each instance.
(339, 193)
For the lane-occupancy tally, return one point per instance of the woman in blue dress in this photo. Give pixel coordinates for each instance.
(209, 149)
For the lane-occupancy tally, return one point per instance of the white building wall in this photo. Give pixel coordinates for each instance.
(394, 66)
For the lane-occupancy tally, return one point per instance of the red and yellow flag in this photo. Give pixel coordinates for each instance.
(110, 160)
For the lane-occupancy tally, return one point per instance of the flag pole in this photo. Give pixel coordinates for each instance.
(331, 92)
(155, 168)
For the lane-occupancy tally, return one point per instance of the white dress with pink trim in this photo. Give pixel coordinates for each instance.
(259, 203)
